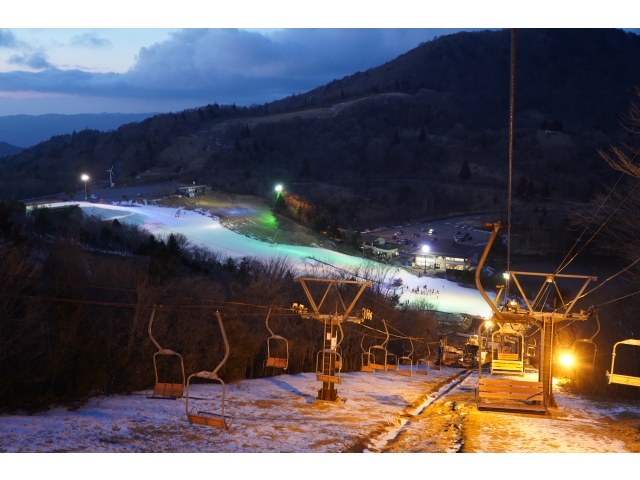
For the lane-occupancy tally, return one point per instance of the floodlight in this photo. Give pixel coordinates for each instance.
(278, 188)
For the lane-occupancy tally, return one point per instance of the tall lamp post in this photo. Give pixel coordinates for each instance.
(85, 178)
(425, 249)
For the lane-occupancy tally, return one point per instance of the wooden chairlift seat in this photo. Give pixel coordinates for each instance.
(165, 390)
(203, 417)
(505, 362)
(422, 366)
(618, 378)
(374, 364)
(323, 373)
(406, 359)
(366, 359)
(507, 394)
(276, 360)
(393, 366)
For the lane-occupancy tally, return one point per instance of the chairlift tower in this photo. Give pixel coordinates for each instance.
(535, 312)
(329, 361)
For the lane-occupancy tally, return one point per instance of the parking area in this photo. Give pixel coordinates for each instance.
(467, 228)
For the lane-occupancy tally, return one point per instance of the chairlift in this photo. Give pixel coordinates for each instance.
(208, 418)
(392, 365)
(616, 377)
(423, 363)
(366, 359)
(276, 346)
(507, 354)
(165, 390)
(585, 350)
(324, 359)
(406, 360)
(381, 351)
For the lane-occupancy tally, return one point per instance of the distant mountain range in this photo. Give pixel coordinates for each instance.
(7, 149)
(28, 130)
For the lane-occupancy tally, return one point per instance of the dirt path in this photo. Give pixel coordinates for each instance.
(453, 424)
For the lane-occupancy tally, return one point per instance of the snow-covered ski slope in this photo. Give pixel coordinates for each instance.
(205, 230)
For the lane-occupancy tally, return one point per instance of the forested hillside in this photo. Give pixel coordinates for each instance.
(423, 135)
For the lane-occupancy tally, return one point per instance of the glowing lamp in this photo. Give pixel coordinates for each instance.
(566, 359)
(85, 177)
(425, 248)
(278, 188)
(505, 275)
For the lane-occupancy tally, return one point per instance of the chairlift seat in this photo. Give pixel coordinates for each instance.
(329, 378)
(210, 419)
(276, 362)
(405, 373)
(623, 379)
(506, 394)
(172, 391)
(616, 377)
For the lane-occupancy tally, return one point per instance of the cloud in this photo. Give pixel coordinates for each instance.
(37, 61)
(91, 40)
(227, 65)
(8, 39)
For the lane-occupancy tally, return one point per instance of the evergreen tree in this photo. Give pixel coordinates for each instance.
(465, 171)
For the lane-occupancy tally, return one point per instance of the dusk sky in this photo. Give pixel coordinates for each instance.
(134, 70)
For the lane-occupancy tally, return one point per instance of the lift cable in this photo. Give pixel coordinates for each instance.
(594, 234)
(511, 122)
(605, 281)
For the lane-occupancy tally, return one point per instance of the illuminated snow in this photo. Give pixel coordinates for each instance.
(206, 231)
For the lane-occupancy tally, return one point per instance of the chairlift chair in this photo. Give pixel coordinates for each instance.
(322, 359)
(616, 377)
(507, 362)
(165, 390)
(366, 359)
(203, 417)
(275, 343)
(381, 351)
(406, 360)
(585, 350)
(328, 355)
(392, 365)
(423, 363)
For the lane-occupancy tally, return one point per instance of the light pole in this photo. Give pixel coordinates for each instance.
(85, 178)
(425, 249)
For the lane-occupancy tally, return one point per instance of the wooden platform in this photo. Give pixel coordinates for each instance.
(506, 394)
